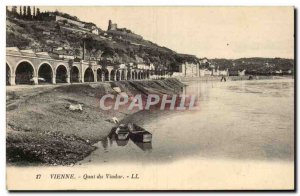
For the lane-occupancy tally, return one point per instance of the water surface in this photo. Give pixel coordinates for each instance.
(240, 120)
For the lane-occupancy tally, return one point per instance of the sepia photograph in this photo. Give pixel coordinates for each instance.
(150, 98)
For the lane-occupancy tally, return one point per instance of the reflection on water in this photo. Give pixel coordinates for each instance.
(115, 139)
(245, 120)
(144, 146)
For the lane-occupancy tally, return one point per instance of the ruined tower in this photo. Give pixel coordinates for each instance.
(109, 25)
(112, 26)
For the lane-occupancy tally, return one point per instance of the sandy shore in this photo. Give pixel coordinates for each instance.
(41, 130)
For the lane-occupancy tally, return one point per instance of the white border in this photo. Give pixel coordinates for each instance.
(3, 3)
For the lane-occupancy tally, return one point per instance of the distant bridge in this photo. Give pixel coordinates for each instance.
(26, 66)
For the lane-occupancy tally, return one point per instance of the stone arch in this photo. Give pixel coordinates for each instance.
(118, 75)
(151, 73)
(99, 75)
(148, 74)
(61, 73)
(25, 72)
(123, 75)
(129, 75)
(88, 75)
(8, 74)
(45, 72)
(23, 61)
(145, 75)
(105, 75)
(10, 69)
(142, 75)
(112, 75)
(74, 76)
(134, 75)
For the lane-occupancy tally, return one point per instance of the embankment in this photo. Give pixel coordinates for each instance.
(232, 78)
(41, 129)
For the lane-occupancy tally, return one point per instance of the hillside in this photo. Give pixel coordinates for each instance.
(67, 36)
(255, 64)
(44, 33)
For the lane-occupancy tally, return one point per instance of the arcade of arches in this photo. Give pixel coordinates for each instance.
(25, 72)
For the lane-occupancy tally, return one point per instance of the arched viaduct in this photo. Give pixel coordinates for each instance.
(26, 66)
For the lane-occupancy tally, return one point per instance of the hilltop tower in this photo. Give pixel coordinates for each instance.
(109, 25)
(112, 26)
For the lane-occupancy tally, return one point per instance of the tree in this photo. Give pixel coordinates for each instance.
(33, 12)
(20, 11)
(38, 11)
(8, 12)
(29, 16)
(76, 52)
(24, 11)
(37, 16)
(14, 10)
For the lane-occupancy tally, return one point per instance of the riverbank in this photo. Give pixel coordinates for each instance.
(41, 129)
(232, 78)
(242, 135)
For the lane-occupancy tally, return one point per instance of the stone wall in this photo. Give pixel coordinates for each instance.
(60, 18)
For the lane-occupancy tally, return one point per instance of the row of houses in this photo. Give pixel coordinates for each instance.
(194, 70)
(205, 68)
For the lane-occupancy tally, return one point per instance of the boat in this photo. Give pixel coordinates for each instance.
(145, 146)
(122, 132)
(138, 134)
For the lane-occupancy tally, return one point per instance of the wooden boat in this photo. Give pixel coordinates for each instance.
(138, 134)
(122, 142)
(145, 146)
(122, 132)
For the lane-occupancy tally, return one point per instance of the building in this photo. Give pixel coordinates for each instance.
(61, 19)
(95, 31)
(236, 73)
(143, 66)
(203, 61)
(205, 72)
(63, 54)
(218, 72)
(189, 69)
(242, 73)
(92, 28)
(224, 72)
(152, 67)
(112, 26)
(46, 33)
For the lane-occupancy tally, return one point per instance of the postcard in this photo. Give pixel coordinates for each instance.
(150, 98)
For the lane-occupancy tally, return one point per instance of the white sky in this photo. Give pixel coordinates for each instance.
(213, 32)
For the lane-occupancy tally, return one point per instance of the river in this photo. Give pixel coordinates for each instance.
(235, 120)
(240, 137)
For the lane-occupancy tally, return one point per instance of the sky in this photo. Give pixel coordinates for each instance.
(212, 32)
